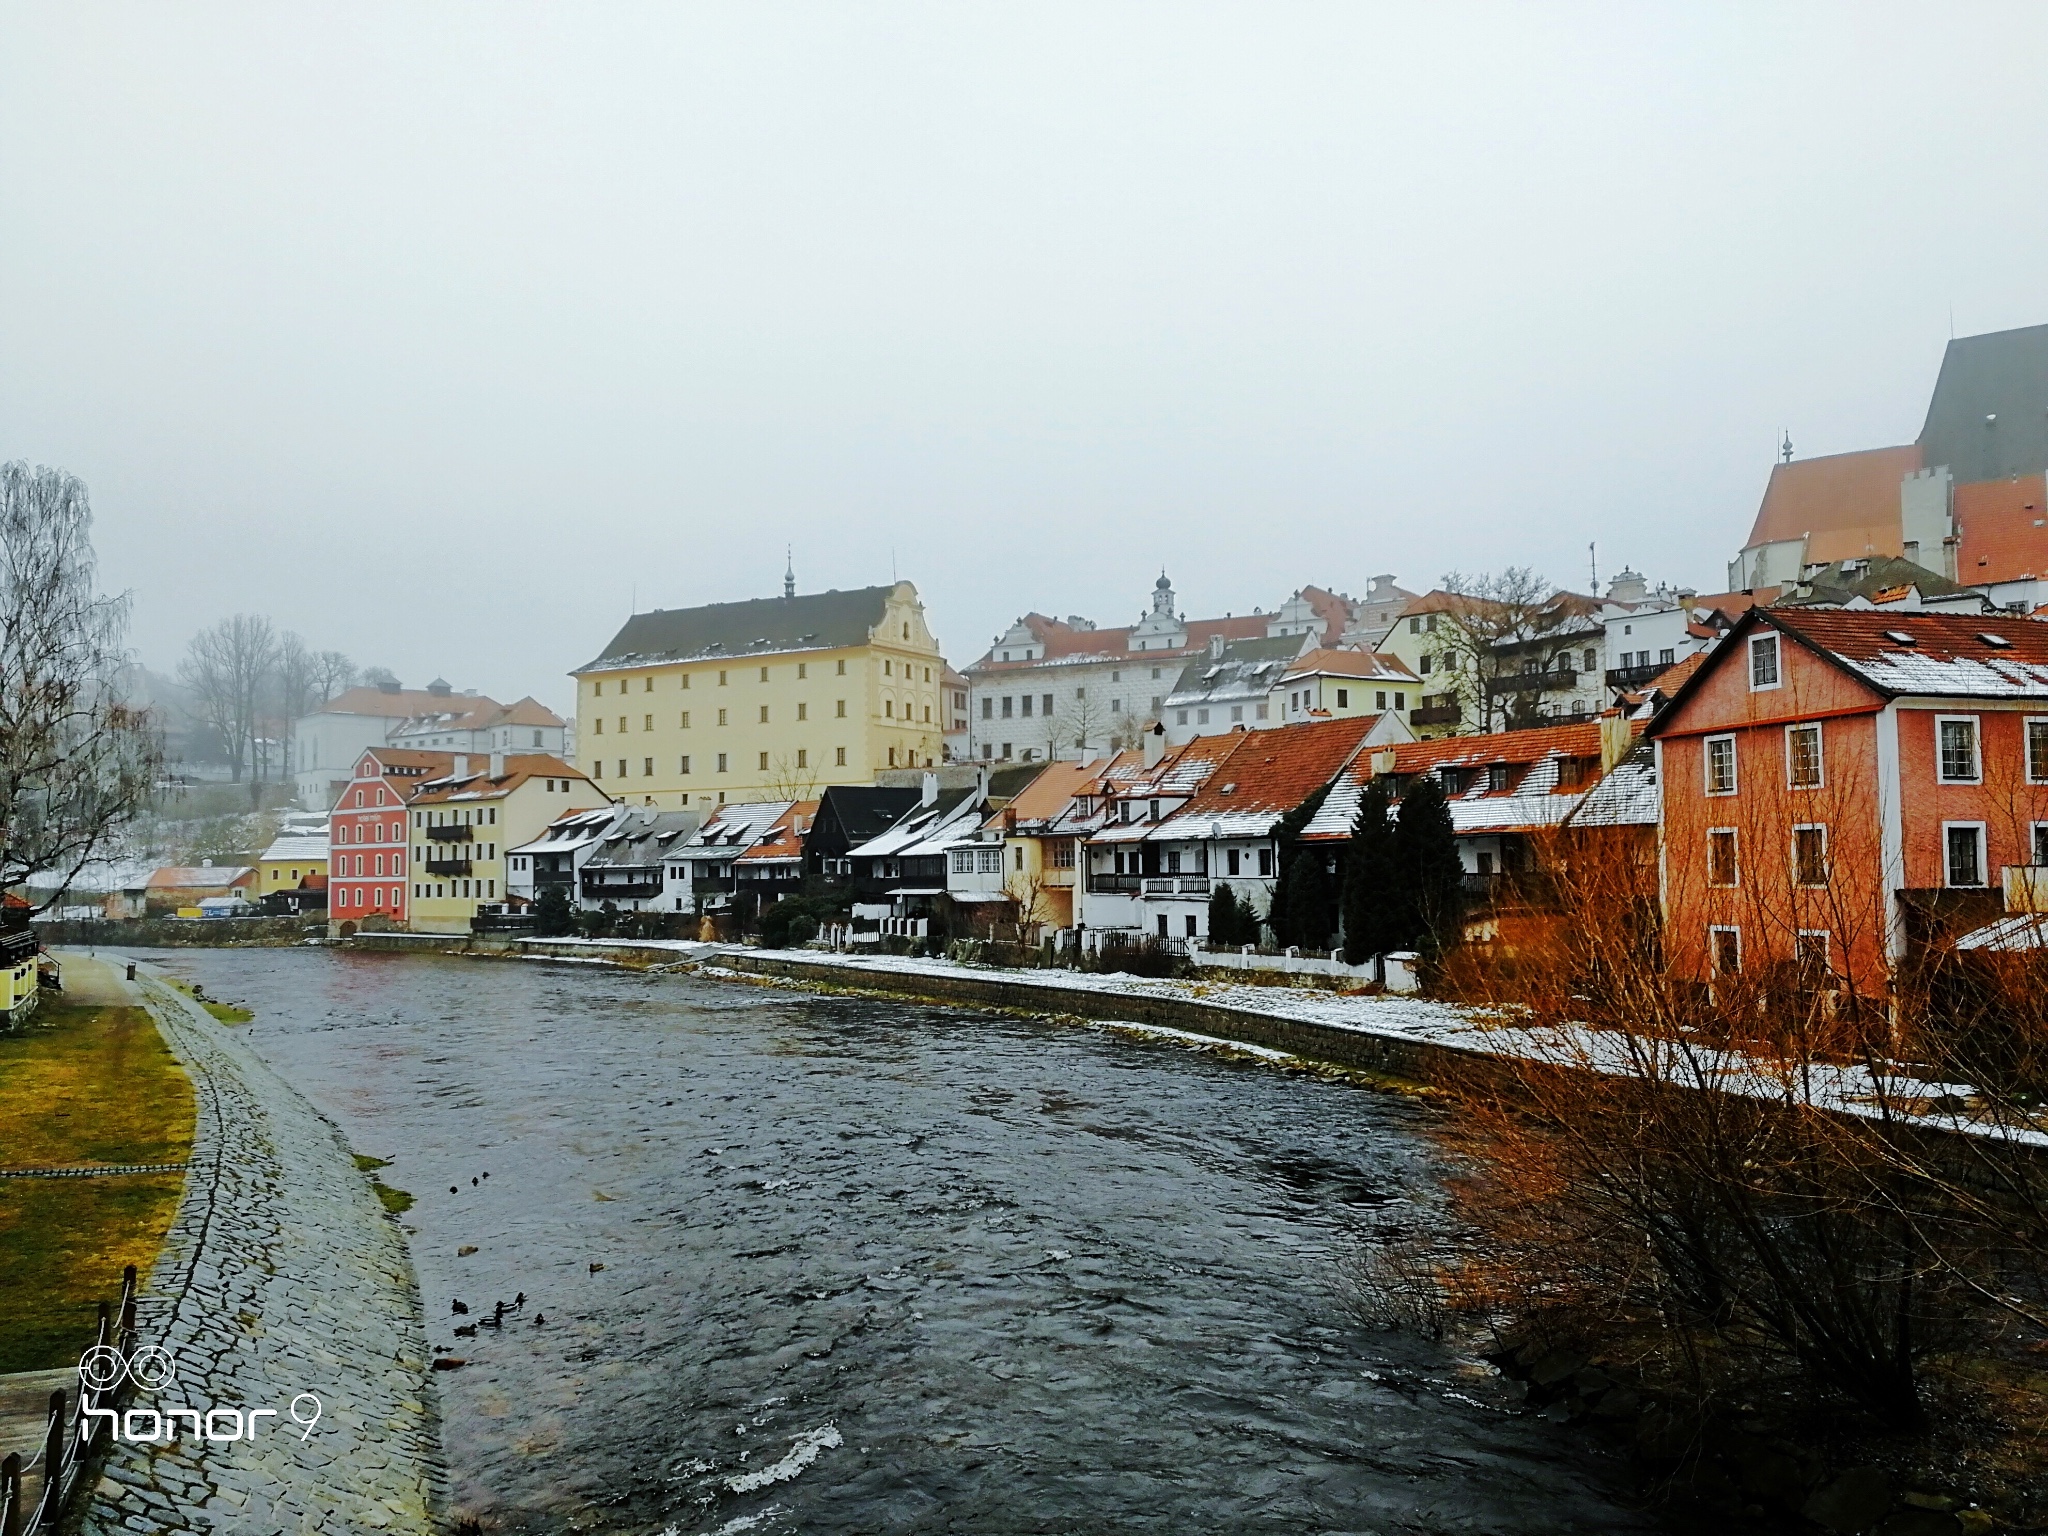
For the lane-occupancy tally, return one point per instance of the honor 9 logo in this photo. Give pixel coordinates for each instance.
(102, 1370)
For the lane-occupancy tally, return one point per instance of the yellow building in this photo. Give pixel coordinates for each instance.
(769, 699)
(288, 860)
(18, 979)
(460, 827)
(1425, 640)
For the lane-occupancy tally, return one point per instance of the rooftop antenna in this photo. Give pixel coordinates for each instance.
(892, 565)
(1593, 562)
(788, 571)
(1785, 447)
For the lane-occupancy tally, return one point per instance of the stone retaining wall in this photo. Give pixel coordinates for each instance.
(178, 932)
(282, 1274)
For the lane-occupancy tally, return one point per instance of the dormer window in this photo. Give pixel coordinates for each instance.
(1763, 663)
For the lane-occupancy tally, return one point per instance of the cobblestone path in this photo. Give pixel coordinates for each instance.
(282, 1274)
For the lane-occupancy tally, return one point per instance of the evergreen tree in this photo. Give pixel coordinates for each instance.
(1310, 911)
(552, 914)
(1287, 842)
(1430, 874)
(1226, 918)
(1372, 897)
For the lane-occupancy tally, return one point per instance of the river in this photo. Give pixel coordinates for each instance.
(803, 1263)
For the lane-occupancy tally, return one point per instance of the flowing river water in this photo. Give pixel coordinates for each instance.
(829, 1264)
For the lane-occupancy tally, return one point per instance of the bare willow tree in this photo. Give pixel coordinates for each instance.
(1484, 618)
(76, 760)
(228, 668)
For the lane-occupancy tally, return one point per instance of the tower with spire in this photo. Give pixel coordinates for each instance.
(788, 571)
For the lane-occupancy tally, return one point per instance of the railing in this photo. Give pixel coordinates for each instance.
(63, 1455)
(449, 834)
(1635, 677)
(448, 866)
(711, 886)
(636, 889)
(1104, 885)
(906, 927)
(1176, 885)
(1436, 714)
(547, 877)
(503, 922)
(1524, 682)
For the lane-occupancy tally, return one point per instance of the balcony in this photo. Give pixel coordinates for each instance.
(1114, 885)
(449, 834)
(711, 885)
(1176, 885)
(637, 888)
(1635, 677)
(17, 948)
(447, 866)
(543, 878)
(1557, 680)
(1436, 714)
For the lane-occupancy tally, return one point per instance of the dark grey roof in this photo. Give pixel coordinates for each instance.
(1239, 660)
(636, 843)
(760, 625)
(1831, 586)
(864, 810)
(2002, 374)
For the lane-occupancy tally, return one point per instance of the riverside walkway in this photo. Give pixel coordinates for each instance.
(281, 1275)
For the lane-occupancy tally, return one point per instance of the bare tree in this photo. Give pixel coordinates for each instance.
(76, 761)
(333, 674)
(228, 668)
(1472, 648)
(1077, 723)
(788, 781)
(381, 677)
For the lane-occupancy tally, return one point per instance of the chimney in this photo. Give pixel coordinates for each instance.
(497, 765)
(1383, 761)
(1155, 746)
(928, 790)
(1215, 647)
(1615, 739)
(461, 765)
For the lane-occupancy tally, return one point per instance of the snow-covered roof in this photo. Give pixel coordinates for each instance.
(578, 829)
(301, 848)
(1626, 796)
(731, 829)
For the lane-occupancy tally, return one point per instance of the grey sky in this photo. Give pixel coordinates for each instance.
(437, 331)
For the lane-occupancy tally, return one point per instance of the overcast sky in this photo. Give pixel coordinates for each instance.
(442, 333)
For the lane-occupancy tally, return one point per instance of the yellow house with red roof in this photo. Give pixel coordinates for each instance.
(461, 825)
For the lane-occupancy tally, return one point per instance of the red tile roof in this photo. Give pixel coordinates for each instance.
(1061, 640)
(1276, 770)
(1844, 505)
(784, 840)
(1579, 739)
(2004, 529)
(402, 705)
(1335, 661)
(478, 784)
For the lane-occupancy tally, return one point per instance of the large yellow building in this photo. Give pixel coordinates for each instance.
(460, 827)
(769, 699)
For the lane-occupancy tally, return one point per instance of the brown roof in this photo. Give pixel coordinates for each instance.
(1844, 505)
(1061, 639)
(1332, 608)
(2004, 529)
(401, 705)
(530, 711)
(1337, 661)
(1054, 790)
(1277, 770)
(519, 767)
(193, 877)
(784, 840)
(389, 758)
(1579, 739)
(1734, 604)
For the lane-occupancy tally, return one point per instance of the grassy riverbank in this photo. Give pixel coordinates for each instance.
(87, 1084)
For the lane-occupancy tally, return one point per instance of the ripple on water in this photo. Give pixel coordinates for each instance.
(835, 1265)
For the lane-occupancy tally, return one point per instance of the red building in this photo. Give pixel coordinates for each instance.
(366, 841)
(1832, 780)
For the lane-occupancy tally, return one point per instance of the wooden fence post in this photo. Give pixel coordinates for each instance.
(10, 1496)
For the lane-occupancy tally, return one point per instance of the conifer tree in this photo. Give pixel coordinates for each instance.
(1310, 911)
(1372, 894)
(1429, 872)
(1286, 842)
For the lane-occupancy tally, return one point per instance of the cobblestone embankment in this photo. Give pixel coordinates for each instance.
(282, 1274)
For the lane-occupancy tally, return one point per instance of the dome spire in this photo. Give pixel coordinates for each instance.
(788, 571)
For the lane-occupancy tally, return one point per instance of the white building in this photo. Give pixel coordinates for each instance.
(557, 856)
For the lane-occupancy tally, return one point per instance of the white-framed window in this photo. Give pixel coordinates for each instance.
(2039, 842)
(1803, 756)
(1724, 867)
(1764, 669)
(1810, 855)
(1962, 853)
(1719, 758)
(1810, 949)
(1724, 950)
(963, 861)
(2037, 749)
(988, 861)
(1956, 758)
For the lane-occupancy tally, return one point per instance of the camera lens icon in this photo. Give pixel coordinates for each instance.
(101, 1368)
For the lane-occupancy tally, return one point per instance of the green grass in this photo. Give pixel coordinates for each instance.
(371, 1164)
(82, 1086)
(227, 1013)
(396, 1201)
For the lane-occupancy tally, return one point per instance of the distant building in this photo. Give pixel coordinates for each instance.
(467, 722)
(325, 743)
(177, 887)
(629, 869)
(703, 863)
(463, 825)
(1232, 685)
(768, 699)
(367, 859)
(1968, 500)
(1332, 684)
(290, 858)
(556, 857)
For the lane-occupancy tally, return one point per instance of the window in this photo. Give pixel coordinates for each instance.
(1401, 700)
(1266, 863)
(2041, 842)
(1259, 710)
(1415, 626)
(1027, 706)
(1725, 945)
(988, 861)
(888, 667)
(892, 755)
(963, 861)
(1722, 868)
(1666, 657)
(803, 711)
(646, 767)
(1343, 698)
(1963, 845)
(1802, 756)
(2037, 749)
(889, 708)
(721, 717)
(686, 680)
(1063, 853)
(1155, 674)
(1592, 660)
(1763, 662)
(1379, 699)
(1237, 712)
(764, 763)
(622, 725)
(1425, 666)
(1720, 761)
(1810, 950)
(1046, 710)
(764, 674)
(686, 719)
(1180, 717)
(1231, 859)
(686, 763)
(840, 760)
(1497, 776)
(721, 678)
(721, 762)
(1116, 707)
(1809, 855)
(597, 689)
(1009, 705)
(1957, 736)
